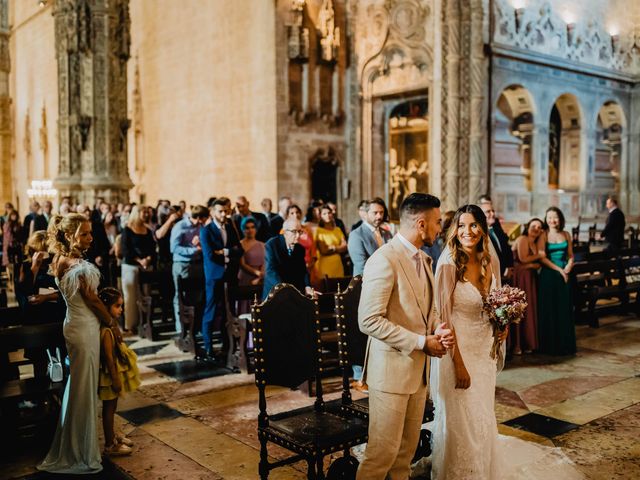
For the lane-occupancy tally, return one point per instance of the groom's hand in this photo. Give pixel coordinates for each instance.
(447, 337)
(433, 346)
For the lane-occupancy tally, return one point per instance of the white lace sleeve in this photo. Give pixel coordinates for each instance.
(70, 282)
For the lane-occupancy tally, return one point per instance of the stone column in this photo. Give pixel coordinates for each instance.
(92, 46)
(540, 168)
(6, 189)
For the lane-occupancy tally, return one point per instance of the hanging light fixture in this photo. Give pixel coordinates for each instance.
(41, 190)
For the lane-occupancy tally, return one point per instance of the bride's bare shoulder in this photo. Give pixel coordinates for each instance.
(61, 264)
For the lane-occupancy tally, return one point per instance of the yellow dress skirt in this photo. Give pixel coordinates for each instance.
(126, 366)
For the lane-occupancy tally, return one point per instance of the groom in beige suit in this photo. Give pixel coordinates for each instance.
(397, 311)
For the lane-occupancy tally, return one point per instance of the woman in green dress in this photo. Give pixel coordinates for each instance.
(556, 330)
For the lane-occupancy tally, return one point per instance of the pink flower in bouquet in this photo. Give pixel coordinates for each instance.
(504, 306)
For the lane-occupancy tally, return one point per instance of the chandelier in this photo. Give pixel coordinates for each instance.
(41, 189)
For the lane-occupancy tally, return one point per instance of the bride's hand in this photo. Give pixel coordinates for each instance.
(447, 337)
(463, 380)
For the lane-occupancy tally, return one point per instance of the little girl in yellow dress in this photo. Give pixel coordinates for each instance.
(118, 373)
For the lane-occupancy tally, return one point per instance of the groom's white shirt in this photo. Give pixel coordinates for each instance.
(397, 311)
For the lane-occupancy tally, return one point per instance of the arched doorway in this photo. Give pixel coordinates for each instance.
(324, 175)
(609, 131)
(565, 144)
(408, 152)
(513, 138)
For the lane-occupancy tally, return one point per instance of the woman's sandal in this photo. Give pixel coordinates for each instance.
(124, 440)
(117, 450)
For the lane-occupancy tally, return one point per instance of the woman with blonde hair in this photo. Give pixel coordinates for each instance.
(75, 446)
(138, 250)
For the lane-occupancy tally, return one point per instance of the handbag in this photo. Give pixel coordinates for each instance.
(54, 369)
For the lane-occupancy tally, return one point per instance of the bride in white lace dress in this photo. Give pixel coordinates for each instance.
(466, 444)
(75, 446)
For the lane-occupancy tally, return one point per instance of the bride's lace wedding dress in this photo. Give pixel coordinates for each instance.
(466, 444)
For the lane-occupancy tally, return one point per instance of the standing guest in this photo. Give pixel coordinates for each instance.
(363, 206)
(498, 237)
(118, 374)
(526, 260)
(41, 220)
(138, 253)
(367, 238)
(556, 331)
(613, 232)
(34, 210)
(331, 244)
(339, 223)
(219, 246)
(163, 237)
(267, 206)
(98, 252)
(397, 311)
(183, 207)
(436, 249)
(252, 261)
(262, 224)
(75, 448)
(186, 252)
(284, 260)
(11, 245)
(308, 243)
(110, 224)
(276, 222)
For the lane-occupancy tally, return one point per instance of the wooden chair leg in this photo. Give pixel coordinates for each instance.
(320, 466)
(311, 471)
(263, 466)
(593, 318)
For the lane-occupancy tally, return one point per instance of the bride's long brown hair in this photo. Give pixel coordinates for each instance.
(460, 257)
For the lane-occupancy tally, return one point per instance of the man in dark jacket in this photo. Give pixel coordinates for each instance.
(263, 229)
(284, 260)
(613, 233)
(499, 238)
(220, 247)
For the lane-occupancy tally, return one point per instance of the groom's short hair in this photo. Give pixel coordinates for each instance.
(417, 203)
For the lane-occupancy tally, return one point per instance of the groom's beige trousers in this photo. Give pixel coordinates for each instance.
(393, 434)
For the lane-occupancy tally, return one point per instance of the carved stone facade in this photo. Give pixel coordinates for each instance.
(92, 42)
(6, 173)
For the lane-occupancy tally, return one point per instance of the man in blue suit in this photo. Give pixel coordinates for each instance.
(220, 248)
(284, 260)
(368, 237)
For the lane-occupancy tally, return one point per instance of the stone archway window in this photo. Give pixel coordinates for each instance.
(408, 170)
(565, 144)
(609, 135)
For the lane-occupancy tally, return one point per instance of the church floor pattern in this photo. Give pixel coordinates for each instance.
(192, 426)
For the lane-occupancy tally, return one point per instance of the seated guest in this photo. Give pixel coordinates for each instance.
(526, 262)
(556, 330)
(219, 246)
(186, 252)
(252, 261)
(37, 292)
(498, 237)
(138, 253)
(613, 233)
(262, 224)
(276, 221)
(368, 237)
(436, 249)
(362, 213)
(284, 260)
(331, 244)
(308, 243)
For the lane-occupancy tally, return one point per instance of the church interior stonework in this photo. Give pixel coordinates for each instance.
(256, 108)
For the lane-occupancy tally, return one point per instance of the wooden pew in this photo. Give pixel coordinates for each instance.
(155, 306)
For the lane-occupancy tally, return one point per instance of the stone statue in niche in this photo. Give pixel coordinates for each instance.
(297, 34)
(84, 126)
(329, 33)
(83, 14)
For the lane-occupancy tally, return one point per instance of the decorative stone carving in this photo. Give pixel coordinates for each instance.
(26, 142)
(92, 44)
(544, 32)
(329, 33)
(44, 134)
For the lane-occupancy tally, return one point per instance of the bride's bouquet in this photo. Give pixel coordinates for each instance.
(504, 306)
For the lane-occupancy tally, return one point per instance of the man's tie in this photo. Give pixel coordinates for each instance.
(378, 237)
(290, 250)
(418, 261)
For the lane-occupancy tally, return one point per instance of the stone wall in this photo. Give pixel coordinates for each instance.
(34, 96)
(206, 102)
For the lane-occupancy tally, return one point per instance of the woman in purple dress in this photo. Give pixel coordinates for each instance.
(526, 257)
(252, 262)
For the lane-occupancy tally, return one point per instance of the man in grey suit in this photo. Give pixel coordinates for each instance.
(397, 311)
(368, 237)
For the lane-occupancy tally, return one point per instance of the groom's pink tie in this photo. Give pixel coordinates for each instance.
(418, 260)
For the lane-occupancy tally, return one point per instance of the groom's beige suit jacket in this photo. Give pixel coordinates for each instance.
(396, 307)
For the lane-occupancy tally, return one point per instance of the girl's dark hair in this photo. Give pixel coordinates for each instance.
(293, 207)
(560, 218)
(109, 296)
(525, 231)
